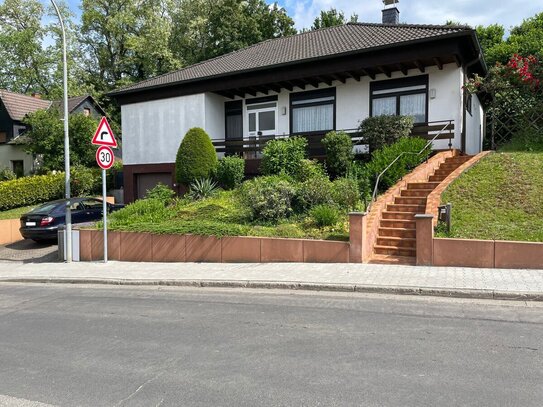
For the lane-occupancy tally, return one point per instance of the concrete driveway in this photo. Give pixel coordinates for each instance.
(28, 251)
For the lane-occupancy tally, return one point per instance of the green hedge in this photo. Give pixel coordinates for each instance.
(379, 131)
(31, 190)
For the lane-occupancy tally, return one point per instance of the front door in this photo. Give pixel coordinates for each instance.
(262, 119)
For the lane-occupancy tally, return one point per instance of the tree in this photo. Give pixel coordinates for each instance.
(204, 29)
(525, 39)
(126, 41)
(331, 18)
(27, 63)
(45, 138)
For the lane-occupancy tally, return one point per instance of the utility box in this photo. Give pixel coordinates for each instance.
(62, 244)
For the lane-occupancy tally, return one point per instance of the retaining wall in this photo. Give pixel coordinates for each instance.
(9, 231)
(147, 247)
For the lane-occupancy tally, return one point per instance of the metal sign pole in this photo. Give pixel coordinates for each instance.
(104, 209)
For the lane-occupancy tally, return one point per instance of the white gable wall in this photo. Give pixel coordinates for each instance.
(153, 130)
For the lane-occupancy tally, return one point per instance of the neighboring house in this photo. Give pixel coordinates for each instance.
(306, 84)
(13, 109)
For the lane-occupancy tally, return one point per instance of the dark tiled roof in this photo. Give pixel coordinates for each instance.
(18, 106)
(310, 45)
(74, 102)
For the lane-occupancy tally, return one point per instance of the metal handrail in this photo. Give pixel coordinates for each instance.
(374, 195)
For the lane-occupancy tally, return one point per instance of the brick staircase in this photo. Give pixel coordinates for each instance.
(396, 241)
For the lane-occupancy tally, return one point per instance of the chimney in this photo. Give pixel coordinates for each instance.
(36, 95)
(391, 14)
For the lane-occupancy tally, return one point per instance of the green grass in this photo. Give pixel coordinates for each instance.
(500, 198)
(16, 212)
(220, 215)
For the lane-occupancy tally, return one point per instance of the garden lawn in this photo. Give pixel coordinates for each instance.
(220, 215)
(499, 198)
(16, 212)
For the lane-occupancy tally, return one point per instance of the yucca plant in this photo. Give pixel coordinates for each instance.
(202, 188)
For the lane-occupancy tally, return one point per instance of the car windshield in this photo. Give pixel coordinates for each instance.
(45, 208)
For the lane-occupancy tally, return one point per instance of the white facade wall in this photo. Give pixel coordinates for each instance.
(214, 116)
(9, 153)
(153, 130)
(474, 127)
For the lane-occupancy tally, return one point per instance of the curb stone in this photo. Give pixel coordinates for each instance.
(375, 289)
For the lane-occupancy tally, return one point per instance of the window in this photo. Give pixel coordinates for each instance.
(313, 111)
(407, 97)
(233, 119)
(469, 102)
(18, 168)
(86, 112)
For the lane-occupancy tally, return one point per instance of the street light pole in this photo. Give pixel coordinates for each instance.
(66, 141)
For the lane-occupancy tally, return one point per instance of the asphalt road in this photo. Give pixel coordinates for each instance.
(122, 346)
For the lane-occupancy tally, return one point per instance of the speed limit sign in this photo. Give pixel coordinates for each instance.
(105, 157)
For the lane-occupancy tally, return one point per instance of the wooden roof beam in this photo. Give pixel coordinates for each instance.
(439, 63)
(287, 85)
(300, 83)
(368, 73)
(457, 60)
(420, 65)
(340, 77)
(384, 70)
(403, 69)
(355, 75)
(326, 79)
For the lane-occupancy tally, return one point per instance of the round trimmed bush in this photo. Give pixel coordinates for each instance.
(196, 157)
(283, 155)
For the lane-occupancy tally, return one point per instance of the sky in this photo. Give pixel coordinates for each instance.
(473, 12)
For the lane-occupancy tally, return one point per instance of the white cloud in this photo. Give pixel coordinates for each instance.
(472, 12)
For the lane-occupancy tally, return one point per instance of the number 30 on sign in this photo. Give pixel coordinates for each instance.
(105, 157)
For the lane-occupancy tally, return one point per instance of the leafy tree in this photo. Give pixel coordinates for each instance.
(26, 63)
(45, 138)
(125, 41)
(331, 18)
(205, 29)
(525, 39)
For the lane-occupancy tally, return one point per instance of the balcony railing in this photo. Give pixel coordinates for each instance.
(251, 147)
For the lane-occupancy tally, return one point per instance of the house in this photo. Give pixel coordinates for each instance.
(13, 109)
(306, 84)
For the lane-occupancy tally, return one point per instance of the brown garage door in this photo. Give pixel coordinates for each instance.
(146, 182)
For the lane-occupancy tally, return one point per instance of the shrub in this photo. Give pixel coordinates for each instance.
(202, 188)
(312, 192)
(383, 157)
(85, 181)
(339, 152)
(268, 198)
(324, 215)
(283, 155)
(345, 193)
(7, 175)
(196, 157)
(162, 193)
(31, 190)
(230, 172)
(308, 169)
(380, 131)
(359, 173)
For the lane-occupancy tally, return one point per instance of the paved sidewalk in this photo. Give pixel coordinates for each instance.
(392, 279)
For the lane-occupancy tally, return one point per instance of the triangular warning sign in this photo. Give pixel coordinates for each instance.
(104, 136)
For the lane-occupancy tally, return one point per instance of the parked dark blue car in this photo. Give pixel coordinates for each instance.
(42, 223)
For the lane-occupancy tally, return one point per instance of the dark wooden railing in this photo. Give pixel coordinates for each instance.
(251, 147)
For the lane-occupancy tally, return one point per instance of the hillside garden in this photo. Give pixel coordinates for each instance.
(294, 197)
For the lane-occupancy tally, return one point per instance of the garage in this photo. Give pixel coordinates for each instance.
(145, 182)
